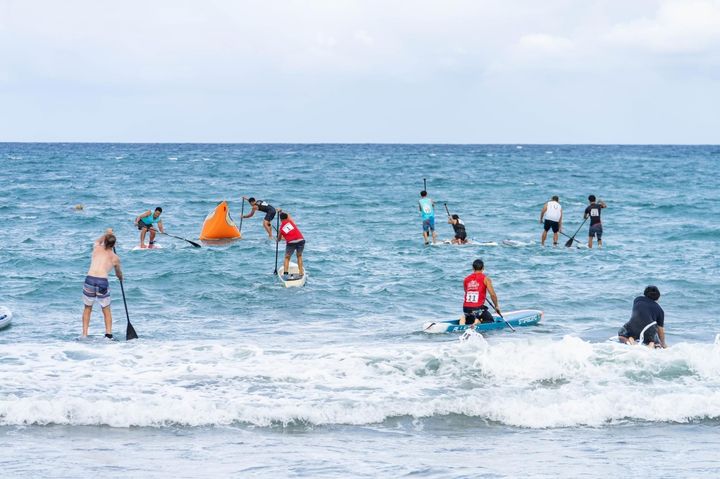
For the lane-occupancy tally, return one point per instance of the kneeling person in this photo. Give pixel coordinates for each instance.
(648, 320)
(459, 227)
(477, 286)
(295, 243)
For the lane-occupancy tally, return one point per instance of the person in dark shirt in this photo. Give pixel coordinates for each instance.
(459, 227)
(593, 212)
(647, 320)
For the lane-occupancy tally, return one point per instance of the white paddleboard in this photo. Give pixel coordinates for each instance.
(155, 246)
(293, 280)
(5, 317)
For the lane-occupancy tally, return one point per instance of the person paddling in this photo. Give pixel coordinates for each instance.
(427, 212)
(96, 287)
(459, 228)
(477, 286)
(266, 208)
(294, 243)
(551, 217)
(593, 212)
(146, 221)
(647, 319)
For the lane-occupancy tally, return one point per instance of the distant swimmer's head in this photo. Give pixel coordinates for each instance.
(423, 193)
(556, 198)
(478, 265)
(652, 292)
(79, 207)
(158, 212)
(283, 216)
(110, 241)
(251, 200)
(455, 217)
(591, 198)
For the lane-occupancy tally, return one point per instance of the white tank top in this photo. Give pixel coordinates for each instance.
(553, 212)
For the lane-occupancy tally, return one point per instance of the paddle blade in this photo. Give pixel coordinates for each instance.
(130, 333)
(194, 244)
(569, 242)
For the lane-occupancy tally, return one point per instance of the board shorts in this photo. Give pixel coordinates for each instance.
(269, 214)
(651, 335)
(297, 246)
(554, 225)
(595, 230)
(428, 224)
(96, 289)
(482, 313)
(141, 226)
(461, 236)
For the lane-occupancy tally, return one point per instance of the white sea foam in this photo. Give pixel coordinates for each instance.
(536, 384)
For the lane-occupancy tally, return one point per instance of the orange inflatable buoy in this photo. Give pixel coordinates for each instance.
(218, 225)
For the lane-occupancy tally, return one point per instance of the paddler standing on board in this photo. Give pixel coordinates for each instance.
(294, 243)
(551, 218)
(96, 287)
(427, 212)
(146, 221)
(266, 208)
(477, 286)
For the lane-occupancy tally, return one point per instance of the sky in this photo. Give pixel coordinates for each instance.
(387, 71)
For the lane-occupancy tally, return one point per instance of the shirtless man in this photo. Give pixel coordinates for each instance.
(96, 287)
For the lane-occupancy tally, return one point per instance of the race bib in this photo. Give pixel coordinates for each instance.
(472, 297)
(594, 212)
(287, 228)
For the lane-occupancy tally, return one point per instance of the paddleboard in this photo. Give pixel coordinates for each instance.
(293, 279)
(525, 317)
(155, 246)
(5, 317)
(469, 243)
(94, 338)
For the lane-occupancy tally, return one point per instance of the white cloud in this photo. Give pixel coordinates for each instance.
(678, 26)
(544, 44)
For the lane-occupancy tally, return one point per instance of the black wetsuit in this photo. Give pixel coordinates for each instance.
(460, 232)
(645, 311)
(266, 208)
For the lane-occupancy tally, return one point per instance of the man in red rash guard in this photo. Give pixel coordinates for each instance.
(477, 285)
(294, 242)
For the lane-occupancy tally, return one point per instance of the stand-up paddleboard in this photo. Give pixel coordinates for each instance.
(468, 243)
(525, 317)
(5, 317)
(293, 279)
(149, 247)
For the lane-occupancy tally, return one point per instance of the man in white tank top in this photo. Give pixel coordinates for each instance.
(551, 217)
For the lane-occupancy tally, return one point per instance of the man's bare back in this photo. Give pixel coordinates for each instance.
(104, 259)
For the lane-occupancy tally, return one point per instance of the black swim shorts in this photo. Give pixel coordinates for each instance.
(554, 225)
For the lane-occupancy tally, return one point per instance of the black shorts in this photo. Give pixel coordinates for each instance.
(269, 214)
(482, 314)
(651, 335)
(554, 225)
(141, 226)
(461, 236)
(298, 247)
(595, 230)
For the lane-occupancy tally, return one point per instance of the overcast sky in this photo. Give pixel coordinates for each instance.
(445, 71)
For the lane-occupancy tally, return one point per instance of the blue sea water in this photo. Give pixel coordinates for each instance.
(235, 376)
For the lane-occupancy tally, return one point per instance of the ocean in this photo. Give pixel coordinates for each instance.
(235, 376)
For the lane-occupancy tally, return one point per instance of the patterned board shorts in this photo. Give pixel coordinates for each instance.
(96, 289)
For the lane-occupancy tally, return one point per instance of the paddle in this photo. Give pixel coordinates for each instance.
(498, 313)
(424, 184)
(569, 242)
(178, 237)
(242, 210)
(568, 236)
(130, 332)
(277, 243)
(446, 209)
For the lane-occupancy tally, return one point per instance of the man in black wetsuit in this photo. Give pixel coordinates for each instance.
(459, 227)
(593, 212)
(266, 208)
(648, 320)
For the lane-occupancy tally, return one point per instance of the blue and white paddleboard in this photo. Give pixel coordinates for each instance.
(525, 317)
(5, 317)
